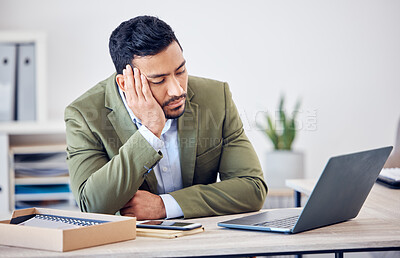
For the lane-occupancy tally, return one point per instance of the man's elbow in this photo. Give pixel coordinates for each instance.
(93, 203)
(261, 193)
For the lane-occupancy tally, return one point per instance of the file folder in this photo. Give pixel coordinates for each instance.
(8, 67)
(26, 83)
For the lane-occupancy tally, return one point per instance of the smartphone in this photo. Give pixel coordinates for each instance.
(167, 224)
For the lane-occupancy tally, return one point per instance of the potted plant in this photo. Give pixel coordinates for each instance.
(282, 163)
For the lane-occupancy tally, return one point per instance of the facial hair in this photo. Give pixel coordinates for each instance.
(174, 98)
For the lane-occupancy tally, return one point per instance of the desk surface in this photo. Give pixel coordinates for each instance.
(376, 227)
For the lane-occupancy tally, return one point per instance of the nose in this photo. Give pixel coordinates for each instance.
(174, 88)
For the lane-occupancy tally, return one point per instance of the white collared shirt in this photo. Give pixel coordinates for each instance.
(168, 169)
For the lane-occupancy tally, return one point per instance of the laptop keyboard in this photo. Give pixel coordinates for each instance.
(280, 223)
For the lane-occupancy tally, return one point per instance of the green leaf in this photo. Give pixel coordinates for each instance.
(271, 132)
(283, 132)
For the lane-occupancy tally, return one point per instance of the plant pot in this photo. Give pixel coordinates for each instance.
(281, 165)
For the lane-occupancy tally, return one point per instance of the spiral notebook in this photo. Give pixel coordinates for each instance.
(52, 221)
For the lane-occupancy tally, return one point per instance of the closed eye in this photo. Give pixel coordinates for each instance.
(160, 82)
(181, 72)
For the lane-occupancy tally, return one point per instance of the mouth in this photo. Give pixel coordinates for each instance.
(176, 104)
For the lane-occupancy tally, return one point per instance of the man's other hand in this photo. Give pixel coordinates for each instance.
(142, 102)
(144, 205)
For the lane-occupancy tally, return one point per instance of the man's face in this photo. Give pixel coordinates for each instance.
(167, 77)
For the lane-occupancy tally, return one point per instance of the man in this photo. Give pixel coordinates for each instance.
(150, 140)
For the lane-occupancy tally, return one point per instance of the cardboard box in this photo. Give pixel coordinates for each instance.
(119, 228)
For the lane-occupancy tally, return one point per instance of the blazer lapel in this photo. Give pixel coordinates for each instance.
(187, 134)
(122, 122)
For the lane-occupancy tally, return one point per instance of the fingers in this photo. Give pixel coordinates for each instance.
(138, 83)
(129, 207)
(144, 205)
(126, 212)
(142, 102)
(129, 83)
(133, 80)
(146, 88)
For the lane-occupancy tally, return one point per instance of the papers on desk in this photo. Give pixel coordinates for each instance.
(390, 177)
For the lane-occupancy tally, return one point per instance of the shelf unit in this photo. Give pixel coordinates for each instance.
(37, 136)
(25, 138)
(45, 188)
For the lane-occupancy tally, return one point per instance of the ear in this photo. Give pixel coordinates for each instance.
(120, 81)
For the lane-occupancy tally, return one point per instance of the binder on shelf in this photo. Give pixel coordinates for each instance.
(8, 54)
(26, 83)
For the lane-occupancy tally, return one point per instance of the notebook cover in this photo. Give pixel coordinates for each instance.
(166, 233)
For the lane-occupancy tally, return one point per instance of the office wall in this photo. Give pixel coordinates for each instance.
(341, 57)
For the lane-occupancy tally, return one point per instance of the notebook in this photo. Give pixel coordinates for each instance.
(390, 177)
(166, 233)
(52, 221)
(338, 196)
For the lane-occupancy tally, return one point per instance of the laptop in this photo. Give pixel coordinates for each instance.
(338, 196)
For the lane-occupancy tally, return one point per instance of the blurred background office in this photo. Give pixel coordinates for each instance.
(342, 58)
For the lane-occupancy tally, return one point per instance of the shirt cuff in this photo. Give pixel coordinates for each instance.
(172, 208)
(153, 140)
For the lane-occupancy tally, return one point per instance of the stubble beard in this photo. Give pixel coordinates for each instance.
(169, 114)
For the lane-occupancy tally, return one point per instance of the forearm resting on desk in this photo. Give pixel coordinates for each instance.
(98, 183)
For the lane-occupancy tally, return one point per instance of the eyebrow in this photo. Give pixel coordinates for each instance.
(153, 76)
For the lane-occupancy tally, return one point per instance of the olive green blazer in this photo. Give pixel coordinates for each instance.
(109, 159)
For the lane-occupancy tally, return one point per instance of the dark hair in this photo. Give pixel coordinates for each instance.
(140, 36)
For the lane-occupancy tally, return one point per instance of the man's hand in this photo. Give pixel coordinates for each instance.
(142, 102)
(144, 205)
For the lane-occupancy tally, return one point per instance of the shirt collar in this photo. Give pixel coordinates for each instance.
(136, 120)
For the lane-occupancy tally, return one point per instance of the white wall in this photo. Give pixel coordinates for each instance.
(342, 57)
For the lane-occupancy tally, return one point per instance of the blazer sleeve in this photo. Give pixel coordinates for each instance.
(101, 184)
(242, 187)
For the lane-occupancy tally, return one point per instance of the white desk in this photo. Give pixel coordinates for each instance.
(376, 228)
